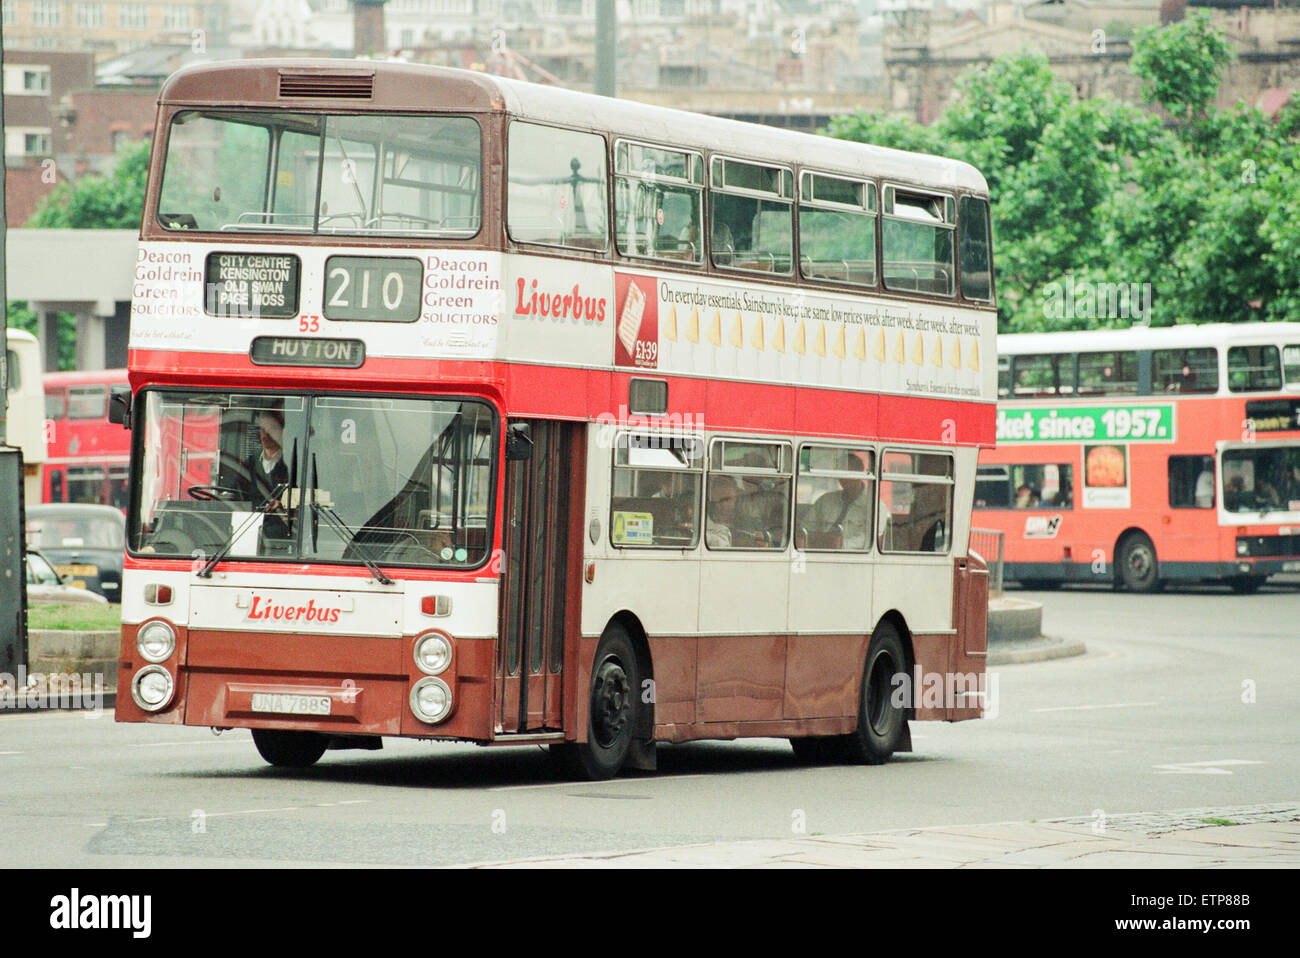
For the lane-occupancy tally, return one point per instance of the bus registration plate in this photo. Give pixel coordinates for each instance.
(1291, 566)
(291, 704)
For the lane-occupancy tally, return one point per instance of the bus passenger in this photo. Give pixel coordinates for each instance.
(722, 512)
(1026, 498)
(1204, 494)
(845, 512)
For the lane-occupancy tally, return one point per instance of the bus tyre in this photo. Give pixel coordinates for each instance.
(1137, 564)
(613, 712)
(289, 749)
(882, 721)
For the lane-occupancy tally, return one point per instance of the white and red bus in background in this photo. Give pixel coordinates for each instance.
(471, 409)
(87, 455)
(1142, 456)
(21, 424)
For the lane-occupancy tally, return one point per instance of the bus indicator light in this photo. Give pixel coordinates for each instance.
(155, 594)
(436, 605)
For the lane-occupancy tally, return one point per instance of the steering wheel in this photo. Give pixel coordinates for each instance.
(214, 493)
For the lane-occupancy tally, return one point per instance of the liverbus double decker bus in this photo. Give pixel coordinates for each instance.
(87, 454)
(470, 409)
(1140, 456)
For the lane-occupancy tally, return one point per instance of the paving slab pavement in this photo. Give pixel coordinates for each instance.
(1267, 836)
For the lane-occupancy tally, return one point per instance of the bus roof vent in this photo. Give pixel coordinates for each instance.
(337, 86)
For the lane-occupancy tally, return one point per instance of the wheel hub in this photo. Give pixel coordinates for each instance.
(611, 700)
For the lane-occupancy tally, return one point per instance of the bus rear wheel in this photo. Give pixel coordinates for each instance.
(613, 713)
(1138, 567)
(882, 720)
(289, 749)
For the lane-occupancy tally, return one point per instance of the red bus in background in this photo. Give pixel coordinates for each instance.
(1140, 456)
(87, 456)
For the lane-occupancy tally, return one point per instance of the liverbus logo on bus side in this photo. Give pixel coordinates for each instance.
(569, 304)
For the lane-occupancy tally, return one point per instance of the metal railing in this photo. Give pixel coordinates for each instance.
(988, 544)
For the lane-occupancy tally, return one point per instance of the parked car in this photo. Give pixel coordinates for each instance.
(85, 544)
(45, 585)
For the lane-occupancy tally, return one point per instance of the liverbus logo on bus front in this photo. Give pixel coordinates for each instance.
(267, 609)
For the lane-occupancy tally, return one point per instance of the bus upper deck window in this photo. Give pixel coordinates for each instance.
(556, 194)
(917, 241)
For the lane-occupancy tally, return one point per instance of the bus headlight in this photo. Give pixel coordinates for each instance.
(152, 688)
(431, 700)
(156, 641)
(433, 654)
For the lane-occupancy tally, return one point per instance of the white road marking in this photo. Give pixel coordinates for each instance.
(1085, 708)
(612, 781)
(11, 753)
(1202, 768)
(246, 811)
(230, 741)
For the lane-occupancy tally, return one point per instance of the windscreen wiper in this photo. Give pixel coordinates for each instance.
(341, 528)
(206, 571)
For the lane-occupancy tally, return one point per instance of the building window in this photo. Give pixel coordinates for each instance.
(89, 15)
(133, 16)
(10, 10)
(36, 81)
(36, 144)
(177, 18)
(47, 13)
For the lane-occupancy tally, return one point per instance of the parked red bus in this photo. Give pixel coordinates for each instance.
(470, 409)
(1141, 456)
(87, 455)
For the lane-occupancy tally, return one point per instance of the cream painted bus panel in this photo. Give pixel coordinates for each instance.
(910, 586)
(831, 594)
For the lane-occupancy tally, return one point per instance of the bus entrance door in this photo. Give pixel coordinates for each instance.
(541, 565)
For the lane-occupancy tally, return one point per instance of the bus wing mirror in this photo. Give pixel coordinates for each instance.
(119, 407)
(519, 441)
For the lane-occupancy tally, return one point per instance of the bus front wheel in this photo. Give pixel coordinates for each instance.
(1137, 564)
(882, 721)
(613, 713)
(289, 749)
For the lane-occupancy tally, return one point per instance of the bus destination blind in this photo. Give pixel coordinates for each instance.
(303, 351)
(252, 285)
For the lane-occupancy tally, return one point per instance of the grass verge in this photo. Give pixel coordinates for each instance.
(80, 617)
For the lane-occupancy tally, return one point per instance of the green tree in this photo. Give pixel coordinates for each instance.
(1201, 212)
(21, 316)
(1181, 65)
(115, 201)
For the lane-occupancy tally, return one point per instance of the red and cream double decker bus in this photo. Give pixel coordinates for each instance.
(86, 454)
(471, 409)
(1140, 456)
